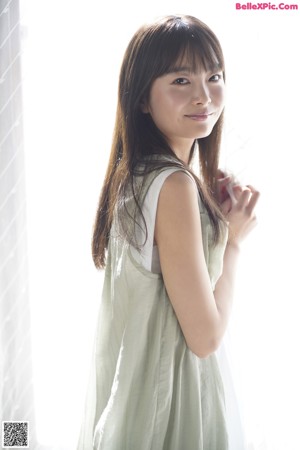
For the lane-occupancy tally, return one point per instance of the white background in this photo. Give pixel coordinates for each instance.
(71, 57)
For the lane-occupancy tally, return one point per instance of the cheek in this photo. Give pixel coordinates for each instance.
(218, 94)
(171, 97)
(177, 96)
(164, 102)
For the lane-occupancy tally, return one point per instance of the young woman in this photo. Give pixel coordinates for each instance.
(169, 239)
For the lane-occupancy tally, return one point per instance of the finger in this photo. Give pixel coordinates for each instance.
(244, 198)
(221, 173)
(221, 188)
(226, 206)
(252, 189)
(254, 198)
(224, 180)
(237, 190)
(231, 193)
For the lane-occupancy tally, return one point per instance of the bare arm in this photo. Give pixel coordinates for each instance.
(202, 313)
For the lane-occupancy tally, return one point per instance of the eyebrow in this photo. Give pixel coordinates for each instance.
(186, 69)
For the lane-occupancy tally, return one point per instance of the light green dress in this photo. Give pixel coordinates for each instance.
(147, 390)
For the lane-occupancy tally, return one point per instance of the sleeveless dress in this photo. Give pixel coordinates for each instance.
(147, 390)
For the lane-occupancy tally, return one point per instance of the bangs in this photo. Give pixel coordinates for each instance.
(196, 60)
(187, 44)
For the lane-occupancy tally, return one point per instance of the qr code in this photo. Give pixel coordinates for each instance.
(15, 434)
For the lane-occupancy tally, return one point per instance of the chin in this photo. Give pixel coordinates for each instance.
(204, 134)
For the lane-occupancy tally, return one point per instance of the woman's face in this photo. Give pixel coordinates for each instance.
(185, 105)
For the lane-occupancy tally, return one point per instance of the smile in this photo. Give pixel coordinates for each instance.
(199, 117)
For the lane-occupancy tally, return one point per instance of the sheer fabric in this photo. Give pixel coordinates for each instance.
(147, 389)
(16, 387)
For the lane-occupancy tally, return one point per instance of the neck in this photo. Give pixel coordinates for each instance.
(182, 149)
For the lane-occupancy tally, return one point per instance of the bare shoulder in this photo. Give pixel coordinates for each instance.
(178, 187)
(177, 211)
(179, 180)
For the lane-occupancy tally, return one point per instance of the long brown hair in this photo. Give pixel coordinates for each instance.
(152, 52)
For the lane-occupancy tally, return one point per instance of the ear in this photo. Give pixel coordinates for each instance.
(144, 106)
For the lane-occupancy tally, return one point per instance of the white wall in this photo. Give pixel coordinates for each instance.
(72, 54)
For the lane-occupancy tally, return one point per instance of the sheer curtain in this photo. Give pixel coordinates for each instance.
(71, 57)
(16, 379)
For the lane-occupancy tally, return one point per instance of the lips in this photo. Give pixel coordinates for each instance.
(200, 116)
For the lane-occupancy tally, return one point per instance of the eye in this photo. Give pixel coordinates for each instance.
(181, 81)
(216, 77)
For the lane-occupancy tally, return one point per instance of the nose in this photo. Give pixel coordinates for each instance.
(201, 95)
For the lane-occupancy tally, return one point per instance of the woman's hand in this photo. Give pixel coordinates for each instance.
(227, 188)
(223, 179)
(238, 209)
